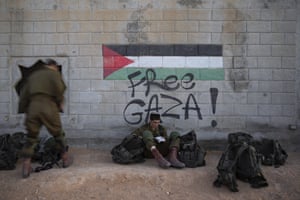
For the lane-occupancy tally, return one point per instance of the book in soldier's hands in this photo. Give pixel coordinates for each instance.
(160, 139)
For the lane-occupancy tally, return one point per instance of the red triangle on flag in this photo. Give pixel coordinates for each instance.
(112, 61)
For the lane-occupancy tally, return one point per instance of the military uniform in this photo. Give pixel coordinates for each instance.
(43, 95)
(149, 135)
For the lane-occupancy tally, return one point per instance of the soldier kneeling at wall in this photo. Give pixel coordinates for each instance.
(158, 144)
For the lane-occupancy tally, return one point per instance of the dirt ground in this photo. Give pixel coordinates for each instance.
(94, 176)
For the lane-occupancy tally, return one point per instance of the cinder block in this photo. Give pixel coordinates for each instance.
(27, 38)
(22, 27)
(258, 122)
(44, 50)
(4, 96)
(175, 15)
(80, 109)
(272, 14)
(79, 38)
(232, 122)
(162, 26)
(55, 38)
(103, 38)
(259, 26)
(5, 15)
(4, 74)
(80, 15)
(233, 98)
(260, 74)
(249, 14)
(103, 109)
(44, 27)
(224, 14)
(259, 50)
(91, 26)
(272, 38)
(289, 110)
(290, 14)
(186, 26)
(5, 27)
(210, 26)
(284, 26)
(270, 86)
(102, 85)
(171, 38)
(231, 27)
(80, 85)
(4, 108)
(4, 38)
(269, 62)
(247, 38)
(89, 50)
(3, 62)
(285, 75)
(91, 97)
(67, 26)
(58, 15)
(199, 14)
(283, 50)
(67, 50)
(90, 73)
(269, 110)
(245, 110)
(281, 121)
(80, 62)
(259, 98)
(223, 38)
(113, 97)
(283, 98)
(20, 50)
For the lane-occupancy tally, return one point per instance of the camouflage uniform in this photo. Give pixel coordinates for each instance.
(149, 135)
(43, 93)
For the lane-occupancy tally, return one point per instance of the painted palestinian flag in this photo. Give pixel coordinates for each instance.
(204, 61)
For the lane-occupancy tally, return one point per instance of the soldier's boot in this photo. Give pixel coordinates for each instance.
(162, 162)
(67, 159)
(27, 169)
(172, 158)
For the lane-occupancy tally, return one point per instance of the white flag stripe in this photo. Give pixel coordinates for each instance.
(173, 62)
(176, 61)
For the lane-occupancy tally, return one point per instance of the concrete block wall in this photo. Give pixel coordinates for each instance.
(260, 48)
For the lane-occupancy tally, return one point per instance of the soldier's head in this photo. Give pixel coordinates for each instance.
(154, 120)
(52, 64)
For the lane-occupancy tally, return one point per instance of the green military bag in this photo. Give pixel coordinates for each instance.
(47, 154)
(130, 150)
(191, 153)
(8, 153)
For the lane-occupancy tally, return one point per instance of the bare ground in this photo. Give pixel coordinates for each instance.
(94, 176)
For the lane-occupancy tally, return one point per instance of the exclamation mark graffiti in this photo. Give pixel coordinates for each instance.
(213, 96)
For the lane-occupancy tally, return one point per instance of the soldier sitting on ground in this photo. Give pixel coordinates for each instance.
(158, 144)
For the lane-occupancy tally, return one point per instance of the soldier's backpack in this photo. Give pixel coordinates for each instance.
(239, 161)
(8, 153)
(272, 152)
(47, 154)
(191, 153)
(130, 150)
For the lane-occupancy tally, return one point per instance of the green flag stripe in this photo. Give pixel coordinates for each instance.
(162, 73)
